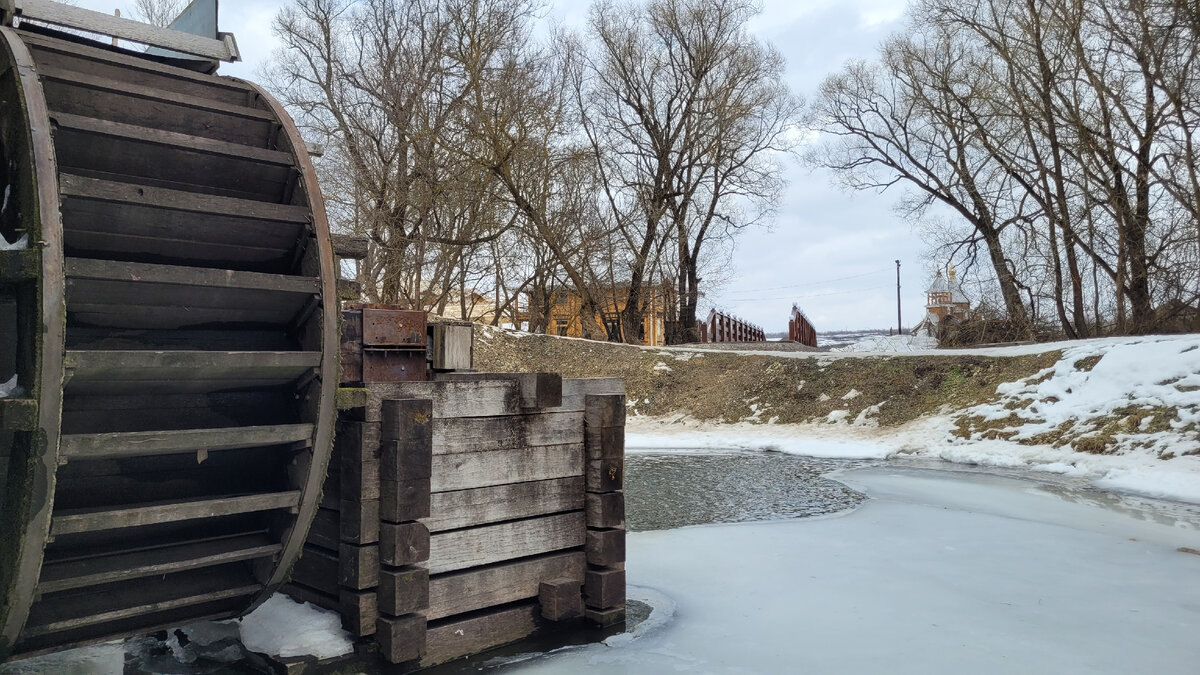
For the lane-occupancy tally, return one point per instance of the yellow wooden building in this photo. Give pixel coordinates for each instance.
(564, 320)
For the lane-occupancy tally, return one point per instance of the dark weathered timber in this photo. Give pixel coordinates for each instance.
(146, 443)
(450, 399)
(78, 18)
(479, 434)
(406, 420)
(401, 501)
(403, 544)
(468, 470)
(606, 475)
(200, 249)
(560, 599)
(18, 414)
(576, 390)
(349, 247)
(29, 150)
(318, 569)
(605, 618)
(604, 442)
(403, 590)
(461, 592)
(405, 461)
(359, 521)
(18, 266)
(166, 157)
(461, 549)
(302, 593)
(537, 390)
(358, 566)
(359, 610)
(605, 547)
(130, 67)
(105, 98)
(359, 481)
(606, 509)
(111, 602)
(115, 372)
(325, 530)
(604, 411)
(348, 289)
(604, 588)
(91, 520)
(401, 639)
(175, 275)
(452, 639)
(481, 506)
(84, 572)
(86, 188)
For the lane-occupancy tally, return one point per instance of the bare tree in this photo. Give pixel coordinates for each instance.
(158, 12)
(687, 114)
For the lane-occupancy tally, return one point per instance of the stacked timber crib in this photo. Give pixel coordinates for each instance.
(467, 510)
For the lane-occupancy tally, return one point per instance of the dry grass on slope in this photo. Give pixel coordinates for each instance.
(730, 387)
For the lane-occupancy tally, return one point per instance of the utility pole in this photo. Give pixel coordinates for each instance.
(899, 324)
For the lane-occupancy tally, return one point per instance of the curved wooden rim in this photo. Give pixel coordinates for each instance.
(41, 474)
(322, 445)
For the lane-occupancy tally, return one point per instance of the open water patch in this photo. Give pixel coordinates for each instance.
(666, 491)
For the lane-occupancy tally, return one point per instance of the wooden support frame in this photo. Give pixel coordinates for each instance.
(222, 49)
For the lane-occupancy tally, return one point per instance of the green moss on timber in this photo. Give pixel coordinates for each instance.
(351, 397)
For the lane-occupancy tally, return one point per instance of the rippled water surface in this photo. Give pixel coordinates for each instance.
(668, 491)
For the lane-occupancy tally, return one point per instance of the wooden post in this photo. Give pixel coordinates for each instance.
(356, 453)
(406, 466)
(604, 449)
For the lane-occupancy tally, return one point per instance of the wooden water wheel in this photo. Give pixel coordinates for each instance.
(171, 326)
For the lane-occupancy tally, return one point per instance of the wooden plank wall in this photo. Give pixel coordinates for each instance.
(467, 512)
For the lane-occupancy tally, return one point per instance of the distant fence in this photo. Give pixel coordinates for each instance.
(800, 329)
(720, 327)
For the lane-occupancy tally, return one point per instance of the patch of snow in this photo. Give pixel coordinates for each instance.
(835, 416)
(935, 574)
(823, 397)
(683, 435)
(11, 388)
(1157, 371)
(18, 245)
(890, 344)
(660, 366)
(852, 394)
(284, 627)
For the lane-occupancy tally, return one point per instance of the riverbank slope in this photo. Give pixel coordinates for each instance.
(1122, 411)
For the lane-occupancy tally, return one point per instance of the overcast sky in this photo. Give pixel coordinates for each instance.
(830, 251)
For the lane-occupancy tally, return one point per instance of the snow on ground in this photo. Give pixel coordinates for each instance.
(284, 627)
(890, 344)
(1143, 393)
(937, 574)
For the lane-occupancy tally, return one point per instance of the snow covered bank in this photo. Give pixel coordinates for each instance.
(1123, 412)
(936, 574)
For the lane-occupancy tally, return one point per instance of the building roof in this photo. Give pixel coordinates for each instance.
(952, 286)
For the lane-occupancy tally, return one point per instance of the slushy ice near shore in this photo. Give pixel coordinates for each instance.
(937, 573)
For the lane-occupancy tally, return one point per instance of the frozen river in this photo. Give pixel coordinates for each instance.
(938, 572)
(865, 567)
